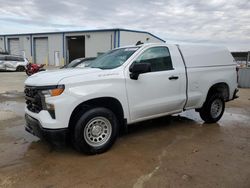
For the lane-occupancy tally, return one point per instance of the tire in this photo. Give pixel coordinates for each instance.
(95, 131)
(20, 68)
(212, 109)
(28, 73)
(42, 70)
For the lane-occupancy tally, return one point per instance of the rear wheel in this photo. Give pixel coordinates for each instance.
(213, 109)
(20, 68)
(95, 131)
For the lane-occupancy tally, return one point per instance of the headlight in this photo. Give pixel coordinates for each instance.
(53, 91)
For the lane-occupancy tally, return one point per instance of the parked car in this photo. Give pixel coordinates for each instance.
(13, 63)
(128, 85)
(80, 62)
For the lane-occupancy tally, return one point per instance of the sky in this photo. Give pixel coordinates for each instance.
(219, 22)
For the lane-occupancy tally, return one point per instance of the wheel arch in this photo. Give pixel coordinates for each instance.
(221, 88)
(110, 103)
(20, 66)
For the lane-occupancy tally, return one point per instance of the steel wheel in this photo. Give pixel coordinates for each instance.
(97, 131)
(213, 108)
(216, 108)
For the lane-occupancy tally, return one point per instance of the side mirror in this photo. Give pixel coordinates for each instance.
(139, 68)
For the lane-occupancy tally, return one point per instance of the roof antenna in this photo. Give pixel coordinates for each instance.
(139, 43)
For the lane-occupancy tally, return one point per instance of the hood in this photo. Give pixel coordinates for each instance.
(53, 77)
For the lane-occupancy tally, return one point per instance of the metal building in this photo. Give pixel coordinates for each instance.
(58, 48)
(243, 60)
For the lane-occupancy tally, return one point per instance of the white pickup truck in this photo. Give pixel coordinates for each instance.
(127, 85)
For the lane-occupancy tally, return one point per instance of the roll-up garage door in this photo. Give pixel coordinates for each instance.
(41, 50)
(14, 46)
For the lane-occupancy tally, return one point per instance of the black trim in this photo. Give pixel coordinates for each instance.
(173, 77)
(45, 87)
(54, 136)
(52, 114)
(34, 99)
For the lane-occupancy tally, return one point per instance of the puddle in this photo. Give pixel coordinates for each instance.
(230, 115)
(11, 106)
(14, 143)
(6, 115)
(229, 119)
(177, 147)
(191, 114)
(12, 94)
(19, 133)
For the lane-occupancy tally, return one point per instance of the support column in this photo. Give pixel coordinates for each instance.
(248, 58)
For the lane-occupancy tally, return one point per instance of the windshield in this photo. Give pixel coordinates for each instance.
(74, 63)
(113, 58)
(85, 63)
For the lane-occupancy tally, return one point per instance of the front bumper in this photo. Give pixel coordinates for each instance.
(54, 136)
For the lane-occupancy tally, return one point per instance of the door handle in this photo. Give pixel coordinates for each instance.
(173, 77)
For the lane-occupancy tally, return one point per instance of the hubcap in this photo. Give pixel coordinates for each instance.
(216, 108)
(97, 131)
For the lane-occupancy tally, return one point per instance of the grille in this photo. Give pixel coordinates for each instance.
(33, 99)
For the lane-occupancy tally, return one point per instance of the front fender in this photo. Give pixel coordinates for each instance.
(80, 92)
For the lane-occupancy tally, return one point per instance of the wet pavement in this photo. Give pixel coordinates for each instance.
(174, 151)
(12, 81)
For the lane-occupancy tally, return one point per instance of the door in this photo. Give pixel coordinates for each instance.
(75, 47)
(159, 92)
(41, 50)
(14, 46)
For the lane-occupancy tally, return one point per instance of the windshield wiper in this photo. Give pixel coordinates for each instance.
(96, 67)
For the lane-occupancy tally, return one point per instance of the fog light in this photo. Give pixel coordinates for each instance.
(51, 110)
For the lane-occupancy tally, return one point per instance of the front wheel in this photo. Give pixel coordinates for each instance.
(213, 109)
(95, 131)
(28, 72)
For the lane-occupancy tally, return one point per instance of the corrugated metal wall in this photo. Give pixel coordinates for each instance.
(41, 50)
(96, 42)
(244, 77)
(130, 38)
(14, 46)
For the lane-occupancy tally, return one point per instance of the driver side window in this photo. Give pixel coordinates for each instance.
(158, 57)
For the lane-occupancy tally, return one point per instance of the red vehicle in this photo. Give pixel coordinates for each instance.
(32, 68)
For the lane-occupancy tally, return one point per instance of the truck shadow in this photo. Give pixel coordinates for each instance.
(159, 124)
(170, 126)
